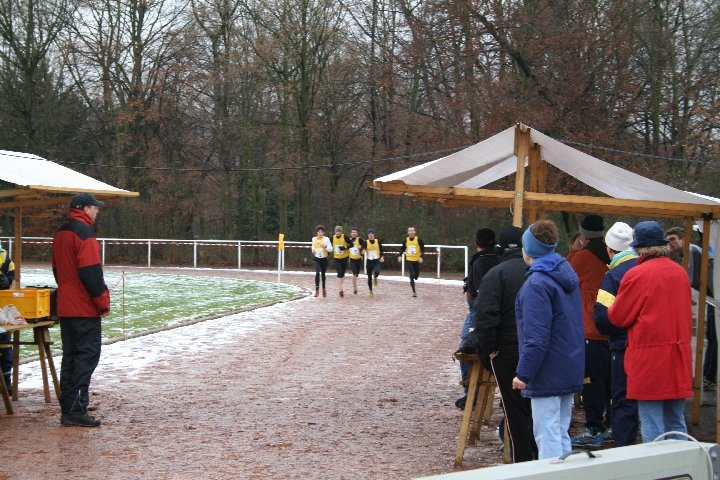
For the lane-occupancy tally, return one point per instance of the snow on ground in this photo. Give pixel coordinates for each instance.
(133, 356)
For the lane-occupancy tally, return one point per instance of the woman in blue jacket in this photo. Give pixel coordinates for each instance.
(548, 309)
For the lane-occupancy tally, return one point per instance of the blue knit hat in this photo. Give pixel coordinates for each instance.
(535, 248)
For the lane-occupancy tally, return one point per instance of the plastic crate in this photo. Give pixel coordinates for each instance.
(32, 302)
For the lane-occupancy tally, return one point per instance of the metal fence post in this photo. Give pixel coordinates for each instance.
(149, 255)
(194, 253)
(439, 251)
(239, 254)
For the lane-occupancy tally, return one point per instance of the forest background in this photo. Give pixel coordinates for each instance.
(240, 119)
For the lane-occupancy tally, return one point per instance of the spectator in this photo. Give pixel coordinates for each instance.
(676, 240)
(82, 299)
(624, 411)
(548, 310)
(590, 264)
(655, 305)
(7, 277)
(576, 244)
(498, 339)
(482, 261)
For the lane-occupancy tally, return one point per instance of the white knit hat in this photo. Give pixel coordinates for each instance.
(619, 237)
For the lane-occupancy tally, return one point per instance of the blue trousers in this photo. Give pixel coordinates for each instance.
(661, 416)
(551, 421)
(625, 421)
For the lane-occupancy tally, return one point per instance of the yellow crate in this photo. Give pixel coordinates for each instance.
(32, 302)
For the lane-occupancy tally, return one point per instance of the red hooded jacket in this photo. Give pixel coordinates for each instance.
(78, 269)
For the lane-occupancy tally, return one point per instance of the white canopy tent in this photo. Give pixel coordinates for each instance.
(461, 178)
(27, 180)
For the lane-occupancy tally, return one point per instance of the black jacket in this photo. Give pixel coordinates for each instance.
(495, 304)
(480, 264)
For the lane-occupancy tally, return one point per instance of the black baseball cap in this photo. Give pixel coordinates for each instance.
(82, 200)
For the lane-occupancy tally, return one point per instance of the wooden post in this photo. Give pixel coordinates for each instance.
(17, 251)
(534, 167)
(522, 147)
(702, 311)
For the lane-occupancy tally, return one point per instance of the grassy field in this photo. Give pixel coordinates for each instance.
(146, 301)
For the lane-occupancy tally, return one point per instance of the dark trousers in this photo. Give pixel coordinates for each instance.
(518, 413)
(6, 358)
(413, 271)
(596, 391)
(81, 343)
(710, 362)
(373, 270)
(320, 269)
(625, 421)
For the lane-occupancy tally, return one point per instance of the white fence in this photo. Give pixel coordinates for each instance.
(390, 248)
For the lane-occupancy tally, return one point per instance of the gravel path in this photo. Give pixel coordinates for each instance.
(357, 387)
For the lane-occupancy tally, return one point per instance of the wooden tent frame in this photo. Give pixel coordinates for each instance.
(536, 201)
(16, 199)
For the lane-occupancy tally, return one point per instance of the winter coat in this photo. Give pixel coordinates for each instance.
(590, 264)
(548, 310)
(655, 305)
(480, 264)
(78, 270)
(620, 264)
(494, 318)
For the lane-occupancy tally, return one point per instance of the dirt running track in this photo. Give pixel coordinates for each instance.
(357, 387)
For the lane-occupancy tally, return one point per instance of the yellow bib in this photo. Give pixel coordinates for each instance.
(412, 249)
(318, 247)
(372, 249)
(339, 253)
(355, 249)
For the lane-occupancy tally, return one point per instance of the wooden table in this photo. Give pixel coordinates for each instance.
(41, 338)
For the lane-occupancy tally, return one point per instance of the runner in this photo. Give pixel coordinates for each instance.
(358, 244)
(321, 246)
(374, 257)
(341, 251)
(413, 249)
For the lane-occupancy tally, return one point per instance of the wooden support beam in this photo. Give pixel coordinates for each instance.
(702, 311)
(522, 148)
(534, 167)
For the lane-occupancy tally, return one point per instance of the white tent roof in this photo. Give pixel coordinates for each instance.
(36, 173)
(494, 158)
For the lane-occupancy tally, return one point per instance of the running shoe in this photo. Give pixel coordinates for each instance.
(586, 439)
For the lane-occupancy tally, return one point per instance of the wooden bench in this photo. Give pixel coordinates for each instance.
(478, 405)
(41, 338)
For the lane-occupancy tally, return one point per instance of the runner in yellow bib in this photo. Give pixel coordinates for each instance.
(374, 255)
(321, 246)
(341, 252)
(356, 247)
(413, 249)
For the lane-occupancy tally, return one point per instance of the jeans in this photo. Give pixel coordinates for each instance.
(660, 416)
(551, 421)
(465, 366)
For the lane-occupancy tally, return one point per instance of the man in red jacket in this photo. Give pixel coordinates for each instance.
(82, 299)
